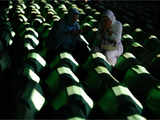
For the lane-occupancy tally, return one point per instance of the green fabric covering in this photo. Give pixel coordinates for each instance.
(92, 35)
(55, 79)
(33, 96)
(125, 61)
(153, 99)
(31, 39)
(139, 80)
(139, 35)
(60, 100)
(36, 61)
(108, 103)
(65, 58)
(79, 103)
(54, 62)
(127, 40)
(96, 59)
(136, 44)
(30, 30)
(31, 75)
(28, 46)
(76, 118)
(53, 82)
(78, 91)
(152, 44)
(136, 117)
(87, 19)
(92, 22)
(140, 52)
(94, 82)
(127, 29)
(24, 18)
(119, 100)
(86, 27)
(98, 80)
(38, 58)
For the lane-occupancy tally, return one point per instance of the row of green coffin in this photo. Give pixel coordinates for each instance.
(143, 84)
(21, 8)
(20, 13)
(140, 52)
(36, 61)
(148, 51)
(100, 81)
(90, 23)
(148, 41)
(67, 4)
(66, 59)
(31, 98)
(89, 19)
(93, 59)
(139, 80)
(36, 23)
(82, 13)
(34, 11)
(7, 37)
(37, 20)
(31, 36)
(30, 102)
(62, 6)
(129, 19)
(69, 64)
(62, 83)
(56, 81)
(50, 12)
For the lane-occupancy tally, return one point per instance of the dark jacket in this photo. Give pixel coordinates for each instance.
(62, 36)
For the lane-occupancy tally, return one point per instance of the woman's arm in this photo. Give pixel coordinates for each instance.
(113, 38)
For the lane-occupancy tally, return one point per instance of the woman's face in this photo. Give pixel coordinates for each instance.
(106, 22)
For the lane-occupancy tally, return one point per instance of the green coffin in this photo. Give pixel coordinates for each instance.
(56, 83)
(152, 101)
(139, 80)
(96, 59)
(65, 59)
(112, 100)
(98, 79)
(125, 61)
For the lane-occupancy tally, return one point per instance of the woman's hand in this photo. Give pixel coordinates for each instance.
(103, 46)
(108, 47)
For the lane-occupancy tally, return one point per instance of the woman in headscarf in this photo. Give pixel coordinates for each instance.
(109, 36)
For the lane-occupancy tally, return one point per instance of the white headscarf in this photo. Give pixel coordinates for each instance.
(110, 15)
(116, 27)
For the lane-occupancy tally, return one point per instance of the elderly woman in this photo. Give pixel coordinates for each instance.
(109, 36)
